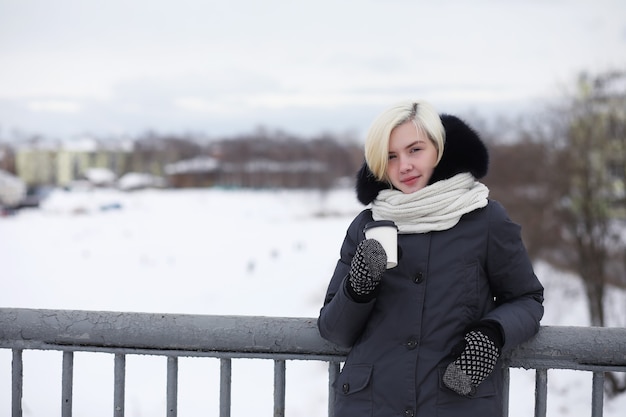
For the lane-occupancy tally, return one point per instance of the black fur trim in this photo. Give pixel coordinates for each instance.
(367, 186)
(464, 151)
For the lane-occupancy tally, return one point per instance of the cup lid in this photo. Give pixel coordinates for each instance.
(380, 223)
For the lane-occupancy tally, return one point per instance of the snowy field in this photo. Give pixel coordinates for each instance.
(268, 253)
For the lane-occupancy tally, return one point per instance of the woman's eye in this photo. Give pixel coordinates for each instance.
(392, 156)
(413, 150)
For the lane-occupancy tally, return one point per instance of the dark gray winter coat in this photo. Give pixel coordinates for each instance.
(403, 339)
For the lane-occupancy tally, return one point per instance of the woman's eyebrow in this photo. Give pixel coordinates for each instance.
(410, 145)
(417, 142)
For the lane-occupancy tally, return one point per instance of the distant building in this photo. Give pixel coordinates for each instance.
(207, 171)
(263, 173)
(12, 190)
(137, 181)
(36, 163)
(62, 163)
(76, 160)
(202, 171)
(7, 158)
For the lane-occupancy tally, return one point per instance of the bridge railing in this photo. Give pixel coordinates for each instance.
(592, 349)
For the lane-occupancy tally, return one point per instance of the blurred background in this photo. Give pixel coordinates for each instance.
(130, 131)
(216, 68)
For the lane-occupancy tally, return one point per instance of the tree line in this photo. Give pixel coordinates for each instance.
(262, 158)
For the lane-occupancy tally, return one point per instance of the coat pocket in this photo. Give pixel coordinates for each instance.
(353, 393)
(486, 401)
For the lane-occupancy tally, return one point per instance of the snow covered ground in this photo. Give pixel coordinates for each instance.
(267, 253)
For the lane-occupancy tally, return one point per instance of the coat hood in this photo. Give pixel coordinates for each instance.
(464, 151)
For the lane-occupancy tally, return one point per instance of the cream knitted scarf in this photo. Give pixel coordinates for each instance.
(438, 206)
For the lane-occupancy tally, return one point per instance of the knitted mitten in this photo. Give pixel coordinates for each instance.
(473, 366)
(366, 269)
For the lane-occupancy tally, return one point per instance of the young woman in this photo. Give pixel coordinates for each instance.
(426, 336)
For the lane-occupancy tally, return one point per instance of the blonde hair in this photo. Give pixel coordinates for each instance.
(424, 117)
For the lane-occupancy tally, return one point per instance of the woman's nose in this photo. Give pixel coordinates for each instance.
(405, 165)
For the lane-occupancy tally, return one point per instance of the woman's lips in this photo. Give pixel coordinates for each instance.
(410, 180)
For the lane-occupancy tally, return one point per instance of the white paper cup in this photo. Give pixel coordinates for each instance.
(386, 232)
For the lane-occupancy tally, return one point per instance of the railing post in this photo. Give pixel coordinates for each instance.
(279, 388)
(225, 386)
(541, 392)
(17, 370)
(119, 387)
(67, 383)
(333, 373)
(597, 394)
(172, 386)
(506, 379)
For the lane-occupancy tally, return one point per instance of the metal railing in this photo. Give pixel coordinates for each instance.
(593, 349)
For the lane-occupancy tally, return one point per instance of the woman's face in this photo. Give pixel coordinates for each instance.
(412, 158)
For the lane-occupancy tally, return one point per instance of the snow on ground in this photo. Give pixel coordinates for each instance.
(268, 253)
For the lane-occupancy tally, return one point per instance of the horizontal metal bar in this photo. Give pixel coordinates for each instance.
(581, 348)
(531, 363)
(572, 347)
(172, 332)
(179, 353)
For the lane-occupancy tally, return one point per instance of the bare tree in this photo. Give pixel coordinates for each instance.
(592, 204)
(592, 210)
(563, 178)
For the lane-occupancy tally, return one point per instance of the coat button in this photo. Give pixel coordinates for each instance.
(419, 277)
(346, 388)
(409, 413)
(411, 344)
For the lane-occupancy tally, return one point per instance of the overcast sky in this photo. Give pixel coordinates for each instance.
(225, 67)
